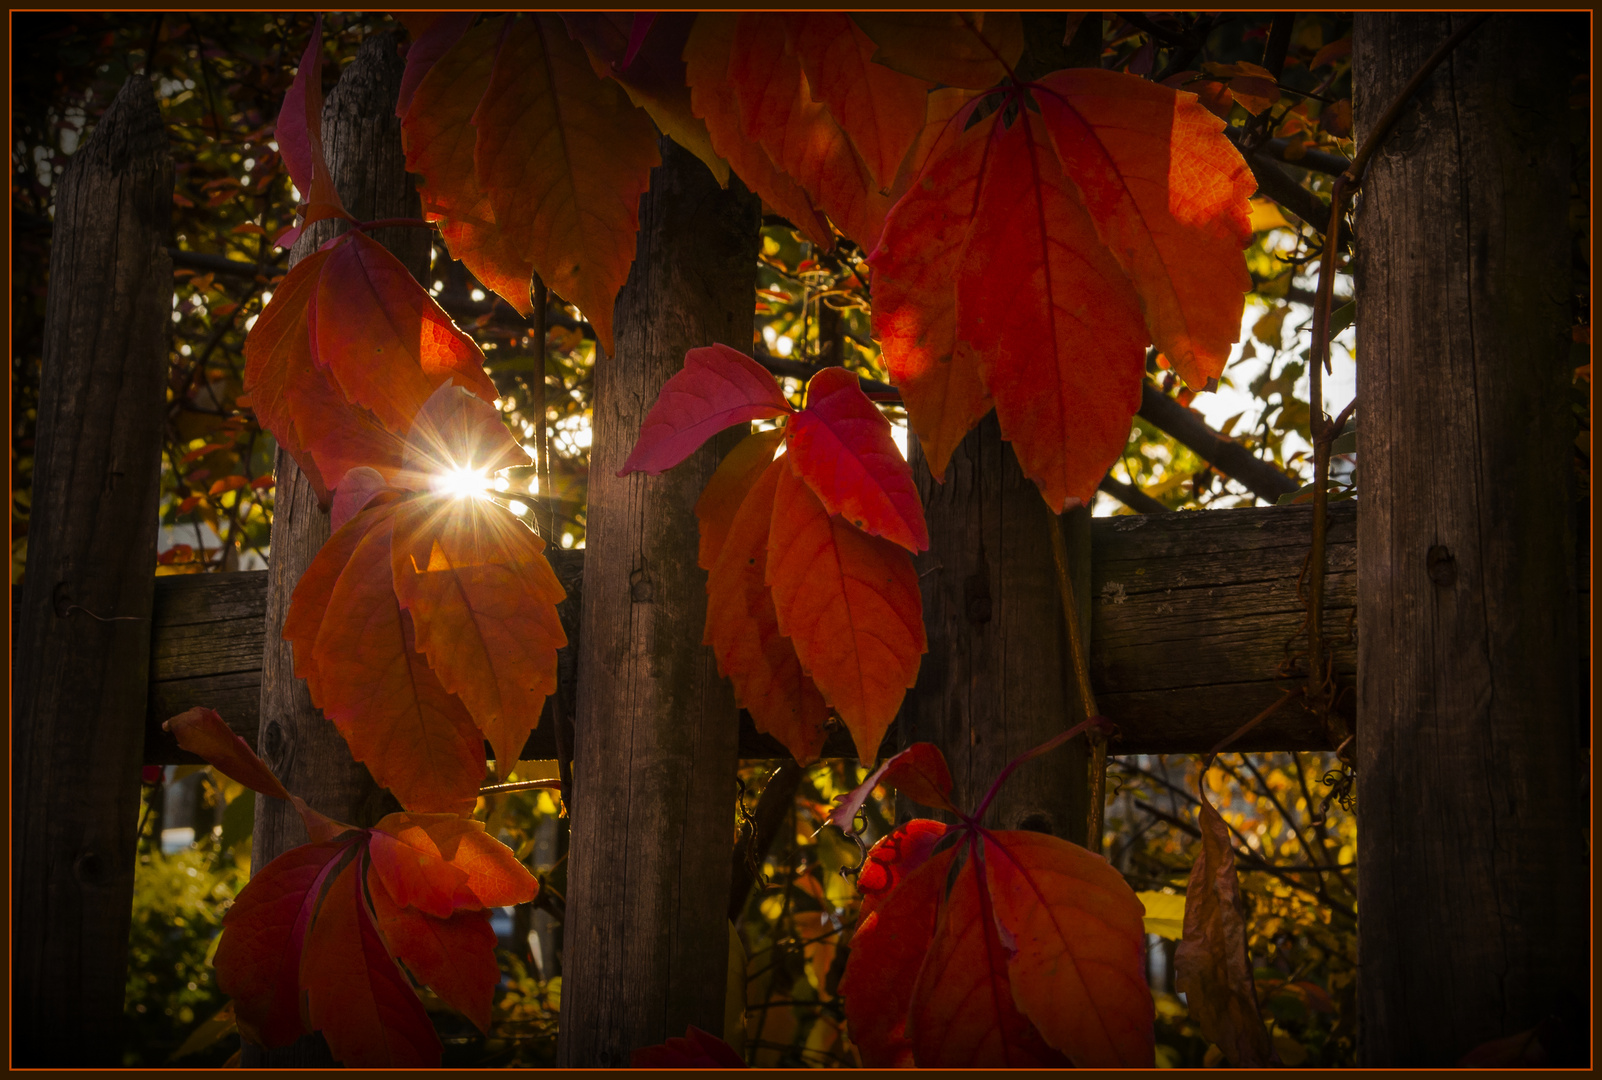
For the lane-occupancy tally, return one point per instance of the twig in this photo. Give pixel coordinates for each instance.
(1228, 457)
(1131, 496)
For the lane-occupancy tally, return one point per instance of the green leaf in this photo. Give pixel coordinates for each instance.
(1342, 317)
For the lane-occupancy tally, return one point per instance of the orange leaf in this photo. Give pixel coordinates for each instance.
(564, 158)
(494, 876)
(777, 109)
(415, 737)
(975, 50)
(881, 110)
(1212, 967)
(456, 431)
(962, 1012)
(355, 995)
(226, 484)
(1076, 947)
(383, 339)
(440, 141)
(1054, 322)
(915, 297)
(712, 98)
(1169, 198)
(743, 629)
(1335, 50)
(201, 731)
(724, 494)
(408, 861)
(483, 599)
(453, 956)
(258, 957)
(850, 603)
(887, 951)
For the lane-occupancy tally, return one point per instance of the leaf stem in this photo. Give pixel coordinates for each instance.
(1087, 696)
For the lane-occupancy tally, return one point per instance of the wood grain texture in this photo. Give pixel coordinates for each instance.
(997, 679)
(1472, 752)
(363, 148)
(655, 756)
(1194, 615)
(1191, 616)
(79, 681)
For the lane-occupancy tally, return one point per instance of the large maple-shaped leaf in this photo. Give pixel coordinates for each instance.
(1168, 195)
(777, 109)
(355, 995)
(962, 1011)
(1212, 966)
(311, 937)
(299, 134)
(649, 66)
(880, 110)
(718, 387)
(970, 49)
(383, 338)
(1033, 952)
(1077, 947)
(707, 54)
(841, 445)
(889, 946)
(1054, 322)
(440, 141)
(915, 298)
(850, 603)
(564, 157)
(483, 601)
(743, 629)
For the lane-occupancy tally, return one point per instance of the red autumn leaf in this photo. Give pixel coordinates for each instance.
(914, 292)
(564, 157)
(1076, 948)
(887, 951)
(919, 772)
(651, 71)
(1054, 322)
(299, 133)
(717, 388)
(1036, 951)
(881, 110)
(356, 489)
(303, 925)
(962, 1011)
(777, 109)
(706, 57)
(254, 961)
(894, 857)
(429, 43)
(483, 600)
(355, 995)
(383, 339)
(850, 603)
(975, 50)
(226, 484)
(454, 433)
(1212, 966)
(326, 435)
(454, 956)
(697, 1050)
(414, 736)
(202, 731)
(723, 495)
(743, 629)
(1168, 195)
(841, 445)
(440, 141)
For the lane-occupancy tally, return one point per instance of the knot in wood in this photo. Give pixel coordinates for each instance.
(642, 590)
(1441, 566)
(89, 868)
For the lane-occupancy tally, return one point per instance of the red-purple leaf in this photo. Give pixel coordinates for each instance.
(697, 1050)
(426, 49)
(918, 772)
(717, 388)
(893, 858)
(841, 445)
(299, 134)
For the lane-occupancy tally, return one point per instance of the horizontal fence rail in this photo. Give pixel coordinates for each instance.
(1193, 617)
